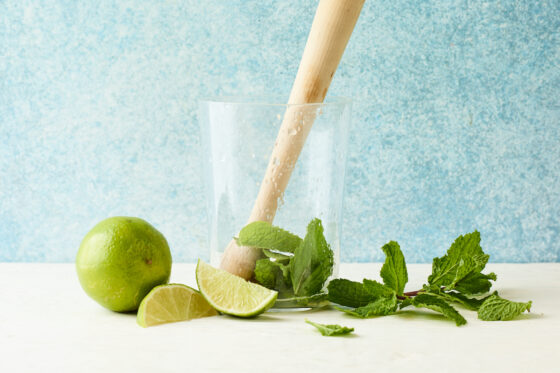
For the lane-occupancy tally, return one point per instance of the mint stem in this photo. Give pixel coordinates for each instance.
(409, 294)
(414, 293)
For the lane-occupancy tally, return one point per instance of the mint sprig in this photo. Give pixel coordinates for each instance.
(299, 269)
(456, 278)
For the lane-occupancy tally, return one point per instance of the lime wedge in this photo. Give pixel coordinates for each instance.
(232, 295)
(171, 303)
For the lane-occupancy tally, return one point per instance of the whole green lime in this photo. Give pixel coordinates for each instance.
(120, 260)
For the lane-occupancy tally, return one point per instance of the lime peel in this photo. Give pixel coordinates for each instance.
(120, 260)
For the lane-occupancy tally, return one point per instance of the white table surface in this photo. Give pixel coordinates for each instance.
(47, 323)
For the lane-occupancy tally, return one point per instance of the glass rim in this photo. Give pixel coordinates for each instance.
(270, 100)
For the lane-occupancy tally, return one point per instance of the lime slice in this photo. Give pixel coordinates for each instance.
(171, 303)
(232, 295)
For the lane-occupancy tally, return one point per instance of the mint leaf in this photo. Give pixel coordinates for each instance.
(273, 275)
(312, 301)
(381, 299)
(263, 235)
(394, 272)
(266, 273)
(475, 283)
(355, 294)
(453, 296)
(470, 303)
(375, 289)
(439, 305)
(496, 308)
(464, 258)
(379, 307)
(348, 293)
(312, 263)
(330, 330)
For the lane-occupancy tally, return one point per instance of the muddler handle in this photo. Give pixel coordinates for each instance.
(329, 35)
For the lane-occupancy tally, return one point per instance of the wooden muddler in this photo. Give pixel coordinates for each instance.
(330, 32)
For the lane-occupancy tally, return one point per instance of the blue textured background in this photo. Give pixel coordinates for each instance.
(456, 119)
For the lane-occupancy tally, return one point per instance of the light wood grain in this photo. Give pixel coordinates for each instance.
(329, 35)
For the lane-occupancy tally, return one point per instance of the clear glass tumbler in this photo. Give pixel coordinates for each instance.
(238, 135)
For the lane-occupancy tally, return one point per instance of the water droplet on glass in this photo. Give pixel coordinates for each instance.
(281, 200)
